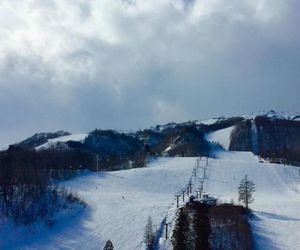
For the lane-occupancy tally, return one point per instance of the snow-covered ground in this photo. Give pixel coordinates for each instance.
(147, 192)
(52, 142)
(209, 121)
(150, 192)
(276, 224)
(275, 115)
(277, 197)
(221, 136)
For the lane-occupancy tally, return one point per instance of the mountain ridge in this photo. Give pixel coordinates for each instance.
(268, 134)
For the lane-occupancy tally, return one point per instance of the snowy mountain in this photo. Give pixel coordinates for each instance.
(41, 138)
(54, 142)
(275, 115)
(269, 134)
(152, 168)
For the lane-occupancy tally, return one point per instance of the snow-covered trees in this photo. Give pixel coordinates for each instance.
(26, 191)
(149, 236)
(246, 190)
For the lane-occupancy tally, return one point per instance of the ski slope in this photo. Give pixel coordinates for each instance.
(147, 192)
(221, 136)
(52, 142)
(277, 197)
(276, 222)
(120, 202)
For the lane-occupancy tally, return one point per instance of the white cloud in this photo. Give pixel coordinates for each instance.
(127, 63)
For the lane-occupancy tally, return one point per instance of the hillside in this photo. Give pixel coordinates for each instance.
(268, 134)
(151, 166)
(146, 191)
(150, 192)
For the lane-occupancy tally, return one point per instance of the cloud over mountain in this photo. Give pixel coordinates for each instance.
(129, 64)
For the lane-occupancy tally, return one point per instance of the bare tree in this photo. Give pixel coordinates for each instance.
(246, 190)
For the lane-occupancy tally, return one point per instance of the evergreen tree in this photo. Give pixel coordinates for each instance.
(180, 238)
(108, 245)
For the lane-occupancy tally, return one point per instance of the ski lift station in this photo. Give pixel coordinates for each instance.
(208, 200)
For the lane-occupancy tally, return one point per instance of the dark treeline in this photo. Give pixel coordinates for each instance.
(200, 226)
(40, 138)
(182, 140)
(222, 123)
(192, 229)
(53, 162)
(27, 187)
(26, 190)
(277, 140)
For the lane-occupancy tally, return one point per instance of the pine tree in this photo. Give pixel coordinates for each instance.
(149, 234)
(180, 238)
(246, 190)
(108, 245)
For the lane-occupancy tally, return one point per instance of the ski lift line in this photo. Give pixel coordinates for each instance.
(170, 221)
(221, 181)
(192, 179)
